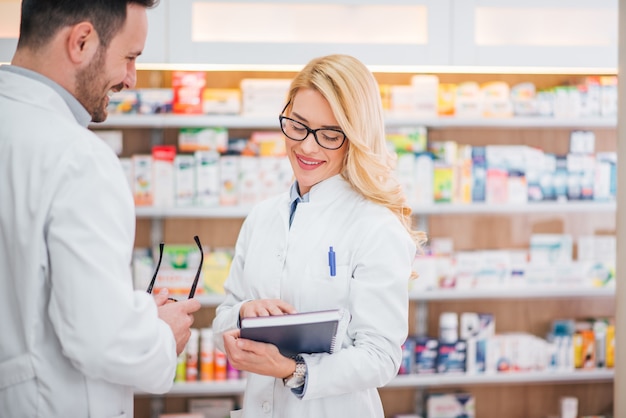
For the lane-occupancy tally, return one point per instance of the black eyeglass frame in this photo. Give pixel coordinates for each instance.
(311, 131)
(192, 291)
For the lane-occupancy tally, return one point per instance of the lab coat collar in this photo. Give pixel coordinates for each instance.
(328, 189)
(31, 80)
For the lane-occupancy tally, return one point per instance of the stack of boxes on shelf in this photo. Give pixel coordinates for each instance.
(473, 347)
(423, 97)
(426, 97)
(213, 169)
(207, 168)
(547, 263)
(449, 172)
(205, 177)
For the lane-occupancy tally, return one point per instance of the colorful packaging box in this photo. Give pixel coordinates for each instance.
(476, 329)
(155, 101)
(178, 269)
(216, 268)
(188, 87)
(408, 356)
(163, 174)
(221, 101)
(184, 180)
(450, 405)
(143, 184)
(207, 178)
(451, 357)
(426, 349)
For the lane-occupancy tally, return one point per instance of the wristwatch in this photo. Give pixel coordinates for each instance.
(297, 378)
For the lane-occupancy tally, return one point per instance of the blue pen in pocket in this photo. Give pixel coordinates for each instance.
(331, 262)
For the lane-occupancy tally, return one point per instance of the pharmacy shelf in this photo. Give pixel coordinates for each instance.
(508, 123)
(265, 122)
(434, 209)
(227, 387)
(187, 121)
(235, 387)
(509, 208)
(441, 380)
(192, 212)
(527, 292)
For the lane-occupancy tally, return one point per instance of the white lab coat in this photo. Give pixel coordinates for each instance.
(75, 337)
(374, 255)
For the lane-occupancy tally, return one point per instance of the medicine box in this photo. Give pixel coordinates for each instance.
(155, 100)
(408, 356)
(178, 268)
(221, 101)
(263, 97)
(451, 357)
(207, 178)
(426, 349)
(188, 87)
(215, 270)
(476, 329)
(163, 175)
(184, 180)
(450, 405)
(142, 179)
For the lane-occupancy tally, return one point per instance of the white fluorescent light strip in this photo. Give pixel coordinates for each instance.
(419, 69)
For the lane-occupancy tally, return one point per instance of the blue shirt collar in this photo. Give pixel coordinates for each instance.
(294, 194)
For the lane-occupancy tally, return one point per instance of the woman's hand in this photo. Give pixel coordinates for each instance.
(265, 307)
(257, 357)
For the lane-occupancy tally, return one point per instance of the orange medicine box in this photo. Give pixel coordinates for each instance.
(588, 349)
(188, 89)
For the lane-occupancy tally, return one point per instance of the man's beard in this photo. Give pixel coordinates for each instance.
(91, 89)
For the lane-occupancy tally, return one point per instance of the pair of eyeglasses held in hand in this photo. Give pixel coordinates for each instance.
(192, 291)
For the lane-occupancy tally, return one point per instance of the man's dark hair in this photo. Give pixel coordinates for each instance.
(41, 19)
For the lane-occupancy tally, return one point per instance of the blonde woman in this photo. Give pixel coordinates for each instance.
(345, 197)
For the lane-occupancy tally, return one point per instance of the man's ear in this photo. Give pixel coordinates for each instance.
(82, 43)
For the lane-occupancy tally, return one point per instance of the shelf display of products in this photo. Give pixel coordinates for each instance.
(219, 221)
(216, 172)
(548, 262)
(423, 97)
(472, 346)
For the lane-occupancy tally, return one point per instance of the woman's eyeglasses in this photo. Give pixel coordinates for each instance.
(328, 138)
(192, 291)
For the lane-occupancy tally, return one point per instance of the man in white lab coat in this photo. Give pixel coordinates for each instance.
(75, 338)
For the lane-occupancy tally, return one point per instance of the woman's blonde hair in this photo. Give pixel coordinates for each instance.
(354, 97)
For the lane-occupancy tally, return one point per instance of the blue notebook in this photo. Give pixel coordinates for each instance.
(300, 333)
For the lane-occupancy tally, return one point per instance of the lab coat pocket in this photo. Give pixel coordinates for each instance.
(106, 399)
(327, 290)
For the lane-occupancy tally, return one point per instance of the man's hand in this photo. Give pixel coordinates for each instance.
(179, 317)
(161, 298)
